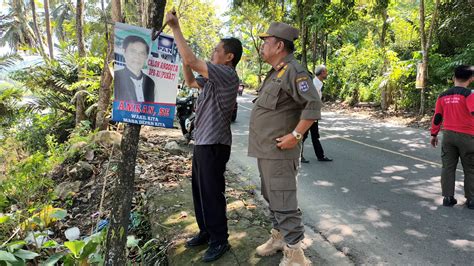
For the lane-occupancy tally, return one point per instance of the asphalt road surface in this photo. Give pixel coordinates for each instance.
(379, 201)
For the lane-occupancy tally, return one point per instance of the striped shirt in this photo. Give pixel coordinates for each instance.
(215, 105)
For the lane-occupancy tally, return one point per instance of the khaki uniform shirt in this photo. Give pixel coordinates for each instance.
(286, 96)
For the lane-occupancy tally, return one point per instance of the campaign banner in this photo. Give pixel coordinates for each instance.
(420, 76)
(145, 77)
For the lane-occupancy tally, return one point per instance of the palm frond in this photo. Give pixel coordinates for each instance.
(8, 60)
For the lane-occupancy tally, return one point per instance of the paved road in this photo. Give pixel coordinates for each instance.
(379, 200)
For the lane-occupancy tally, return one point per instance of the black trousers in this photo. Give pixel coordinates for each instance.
(208, 185)
(318, 149)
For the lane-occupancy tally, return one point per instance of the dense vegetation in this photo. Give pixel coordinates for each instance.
(49, 105)
(371, 48)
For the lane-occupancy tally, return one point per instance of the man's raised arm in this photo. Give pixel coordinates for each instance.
(189, 58)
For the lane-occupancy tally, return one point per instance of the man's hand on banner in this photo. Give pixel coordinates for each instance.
(172, 19)
(156, 33)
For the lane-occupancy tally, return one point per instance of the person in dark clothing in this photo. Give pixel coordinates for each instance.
(454, 111)
(321, 74)
(218, 83)
(130, 83)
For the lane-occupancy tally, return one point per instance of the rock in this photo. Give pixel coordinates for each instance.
(89, 155)
(108, 138)
(81, 171)
(345, 250)
(233, 215)
(72, 233)
(138, 170)
(173, 148)
(244, 223)
(66, 188)
(14, 208)
(246, 214)
(58, 172)
(78, 146)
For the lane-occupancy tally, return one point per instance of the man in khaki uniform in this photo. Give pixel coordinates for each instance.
(286, 107)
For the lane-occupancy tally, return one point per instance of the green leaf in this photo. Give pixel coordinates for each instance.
(150, 242)
(37, 220)
(25, 254)
(4, 218)
(75, 247)
(88, 249)
(50, 244)
(6, 256)
(51, 261)
(132, 241)
(96, 259)
(15, 245)
(16, 263)
(59, 214)
(69, 260)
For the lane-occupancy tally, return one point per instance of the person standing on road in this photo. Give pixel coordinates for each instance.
(455, 111)
(218, 82)
(287, 105)
(321, 75)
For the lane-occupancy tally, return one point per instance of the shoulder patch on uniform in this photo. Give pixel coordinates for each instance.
(303, 86)
(301, 78)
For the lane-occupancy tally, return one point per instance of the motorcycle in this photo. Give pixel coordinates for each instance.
(185, 113)
(185, 107)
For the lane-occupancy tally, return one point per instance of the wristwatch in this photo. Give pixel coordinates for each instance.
(297, 135)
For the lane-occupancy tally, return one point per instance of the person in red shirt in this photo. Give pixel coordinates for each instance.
(455, 112)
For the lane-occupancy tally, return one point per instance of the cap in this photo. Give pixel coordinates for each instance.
(281, 30)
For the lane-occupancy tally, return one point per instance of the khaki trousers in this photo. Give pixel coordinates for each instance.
(278, 182)
(457, 145)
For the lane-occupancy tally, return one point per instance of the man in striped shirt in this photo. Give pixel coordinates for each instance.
(454, 110)
(218, 82)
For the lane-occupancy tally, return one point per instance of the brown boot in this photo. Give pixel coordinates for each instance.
(294, 256)
(274, 244)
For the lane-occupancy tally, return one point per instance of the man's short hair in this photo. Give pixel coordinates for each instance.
(319, 70)
(234, 46)
(133, 39)
(289, 45)
(463, 72)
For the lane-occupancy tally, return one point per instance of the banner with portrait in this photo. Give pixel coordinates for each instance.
(145, 77)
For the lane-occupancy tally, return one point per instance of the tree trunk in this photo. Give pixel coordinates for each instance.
(79, 28)
(101, 121)
(48, 28)
(384, 93)
(80, 97)
(304, 45)
(144, 12)
(104, 15)
(39, 40)
(256, 45)
(123, 191)
(314, 56)
(425, 46)
(80, 107)
(157, 9)
(324, 53)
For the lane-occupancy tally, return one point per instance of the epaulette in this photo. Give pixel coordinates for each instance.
(280, 66)
(298, 67)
